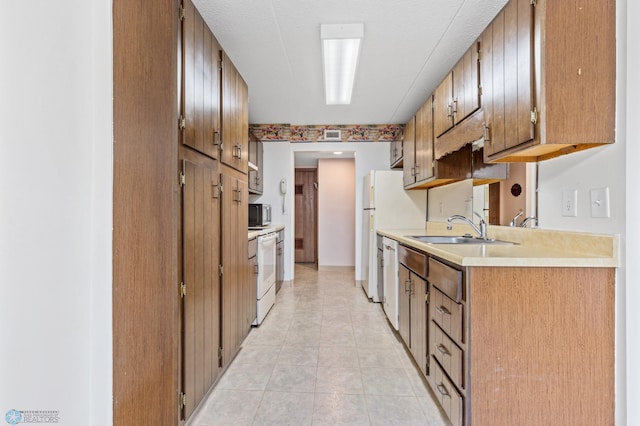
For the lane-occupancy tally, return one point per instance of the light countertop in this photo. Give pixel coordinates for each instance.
(253, 233)
(535, 248)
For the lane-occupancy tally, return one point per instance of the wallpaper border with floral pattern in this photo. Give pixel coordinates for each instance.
(315, 133)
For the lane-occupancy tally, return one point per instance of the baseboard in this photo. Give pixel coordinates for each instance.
(322, 268)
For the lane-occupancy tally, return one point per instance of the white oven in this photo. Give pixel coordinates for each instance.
(266, 286)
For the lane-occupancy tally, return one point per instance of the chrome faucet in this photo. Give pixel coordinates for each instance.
(526, 220)
(514, 221)
(482, 230)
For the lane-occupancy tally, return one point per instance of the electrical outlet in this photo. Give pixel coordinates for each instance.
(570, 202)
(600, 202)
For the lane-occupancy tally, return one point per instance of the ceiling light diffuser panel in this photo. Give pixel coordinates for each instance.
(340, 51)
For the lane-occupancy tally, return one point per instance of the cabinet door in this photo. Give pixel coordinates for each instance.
(235, 117)
(249, 295)
(259, 185)
(235, 265)
(404, 313)
(200, 301)
(424, 141)
(507, 84)
(242, 98)
(418, 328)
(408, 148)
(395, 152)
(255, 157)
(466, 79)
(442, 106)
(201, 84)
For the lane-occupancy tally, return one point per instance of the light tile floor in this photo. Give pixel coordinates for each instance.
(324, 355)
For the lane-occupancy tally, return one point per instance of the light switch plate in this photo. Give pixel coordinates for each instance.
(600, 202)
(570, 202)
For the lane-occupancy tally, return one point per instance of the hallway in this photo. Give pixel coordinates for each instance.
(324, 355)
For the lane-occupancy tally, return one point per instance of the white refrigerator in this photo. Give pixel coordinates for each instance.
(386, 204)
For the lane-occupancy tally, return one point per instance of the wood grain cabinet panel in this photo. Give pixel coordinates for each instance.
(420, 166)
(536, 347)
(256, 184)
(235, 266)
(145, 213)
(448, 314)
(200, 299)
(424, 142)
(413, 304)
(404, 298)
(448, 354)
(396, 154)
(548, 79)
(542, 344)
(200, 84)
(443, 106)
(234, 145)
(409, 152)
(450, 400)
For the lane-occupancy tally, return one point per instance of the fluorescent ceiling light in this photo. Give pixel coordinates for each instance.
(337, 152)
(340, 51)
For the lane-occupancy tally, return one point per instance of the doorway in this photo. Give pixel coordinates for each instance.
(306, 215)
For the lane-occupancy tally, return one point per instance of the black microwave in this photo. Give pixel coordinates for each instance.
(259, 215)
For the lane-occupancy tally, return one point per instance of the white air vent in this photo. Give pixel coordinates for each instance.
(333, 135)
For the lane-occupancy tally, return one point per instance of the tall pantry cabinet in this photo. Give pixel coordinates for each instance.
(181, 282)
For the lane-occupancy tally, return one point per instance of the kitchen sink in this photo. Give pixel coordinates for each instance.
(449, 239)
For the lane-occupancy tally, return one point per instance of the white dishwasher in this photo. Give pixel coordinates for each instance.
(390, 271)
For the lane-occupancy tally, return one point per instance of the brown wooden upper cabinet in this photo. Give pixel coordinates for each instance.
(255, 158)
(548, 79)
(457, 96)
(395, 154)
(409, 153)
(424, 142)
(200, 122)
(234, 145)
(421, 168)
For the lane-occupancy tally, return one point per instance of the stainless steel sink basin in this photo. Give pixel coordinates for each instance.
(448, 239)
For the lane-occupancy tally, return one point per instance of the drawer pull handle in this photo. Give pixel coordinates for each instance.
(443, 349)
(442, 390)
(443, 310)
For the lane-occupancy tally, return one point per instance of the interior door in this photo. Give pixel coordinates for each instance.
(306, 216)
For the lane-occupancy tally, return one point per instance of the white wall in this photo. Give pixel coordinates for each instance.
(629, 291)
(279, 162)
(336, 212)
(455, 198)
(55, 209)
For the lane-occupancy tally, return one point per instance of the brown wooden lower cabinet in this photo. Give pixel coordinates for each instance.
(512, 345)
(412, 303)
(200, 292)
(525, 346)
(234, 265)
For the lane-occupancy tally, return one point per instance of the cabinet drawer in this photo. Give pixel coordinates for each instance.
(253, 247)
(446, 278)
(448, 314)
(451, 401)
(449, 355)
(413, 260)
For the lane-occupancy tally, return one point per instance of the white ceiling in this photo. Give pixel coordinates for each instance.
(408, 47)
